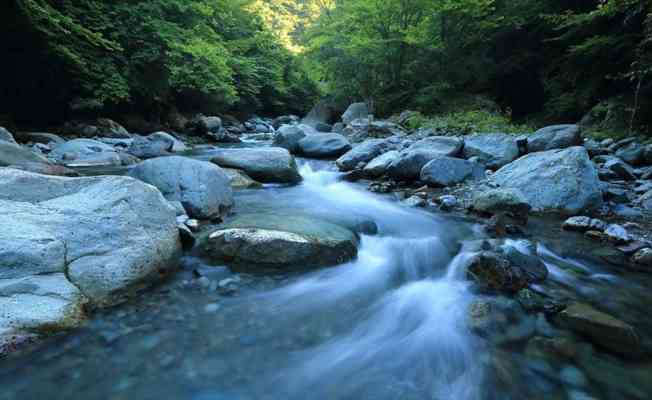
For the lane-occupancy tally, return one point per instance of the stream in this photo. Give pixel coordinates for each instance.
(392, 324)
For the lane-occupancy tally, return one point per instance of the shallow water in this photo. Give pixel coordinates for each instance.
(392, 324)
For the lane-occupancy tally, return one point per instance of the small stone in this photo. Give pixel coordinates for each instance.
(617, 233)
(211, 308)
(643, 257)
(595, 235)
(415, 201)
(447, 202)
(193, 224)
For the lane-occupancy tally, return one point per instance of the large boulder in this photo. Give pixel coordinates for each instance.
(362, 154)
(268, 165)
(203, 188)
(355, 111)
(497, 201)
(204, 125)
(604, 329)
(6, 136)
(68, 241)
(288, 137)
(259, 241)
(13, 154)
(323, 111)
(323, 145)
(494, 150)
(85, 152)
(378, 166)
(554, 137)
(447, 171)
(410, 161)
(557, 180)
(154, 145)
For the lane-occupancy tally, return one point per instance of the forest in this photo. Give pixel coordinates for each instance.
(542, 60)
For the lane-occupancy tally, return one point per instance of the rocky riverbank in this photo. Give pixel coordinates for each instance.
(71, 244)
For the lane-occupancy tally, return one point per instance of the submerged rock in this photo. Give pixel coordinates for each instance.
(203, 189)
(558, 180)
(604, 329)
(288, 242)
(268, 165)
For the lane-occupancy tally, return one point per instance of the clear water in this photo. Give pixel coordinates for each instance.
(393, 324)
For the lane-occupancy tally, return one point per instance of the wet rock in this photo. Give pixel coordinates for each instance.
(500, 201)
(84, 152)
(287, 242)
(479, 316)
(408, 165)
(378, 166)
(323, 127)
(355, 111)
(532, 266)
(447, 171)
(558, 180)
(617, 233)
(155, 145)
(643, 257)
(203, 188)
(13, 154)
(621, 169)
(6, 136)
(268, 165)
(554, 137)
(288, 137)
(285, 120)
(323, 145)
(239, 179)
(492, 271)
(362, 154)
(45, 169)
(645, 200)
(530, 300)
(572, 376)
(493, 150)
(447, 202)
(604, 329)
(57, 250)
(188, 239)
(415, 201)
(564, 347)
(583, 224)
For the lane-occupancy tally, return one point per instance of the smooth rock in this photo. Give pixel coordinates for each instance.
(240, 180)
(378, 166)
(492, 271)
(494, 150)
(85, 152)
(496, 201)
(447, 171)
(323, 145)
(362, 154)
(617, 233)
(155, 145)
(203, 188)
(554, 137)
(355, 111)
(287, 242)
(620, 168)
(13, 154)
(410, 162)
(288, 137)
(268, 165)
(643, 257)
(558, 180)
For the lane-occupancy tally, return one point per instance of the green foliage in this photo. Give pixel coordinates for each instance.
(467, 122)
(169, 53)
(546, 57)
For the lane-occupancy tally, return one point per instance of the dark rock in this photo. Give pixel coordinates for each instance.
(6, 136)
(322, 127)
(622, 169)
(554, 137)
(643, 257)
(492, 271)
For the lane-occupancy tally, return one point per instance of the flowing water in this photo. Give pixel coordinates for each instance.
(392, 324)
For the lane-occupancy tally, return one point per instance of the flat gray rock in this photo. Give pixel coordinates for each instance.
(268, 165)
(494, 150)
(554, 137)
(407, 166)
(323, 145)
(447, 171)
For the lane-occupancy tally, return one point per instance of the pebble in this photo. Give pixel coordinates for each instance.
(211, 308)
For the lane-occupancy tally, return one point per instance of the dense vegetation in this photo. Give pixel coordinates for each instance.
(64, 58)
(550, 59)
